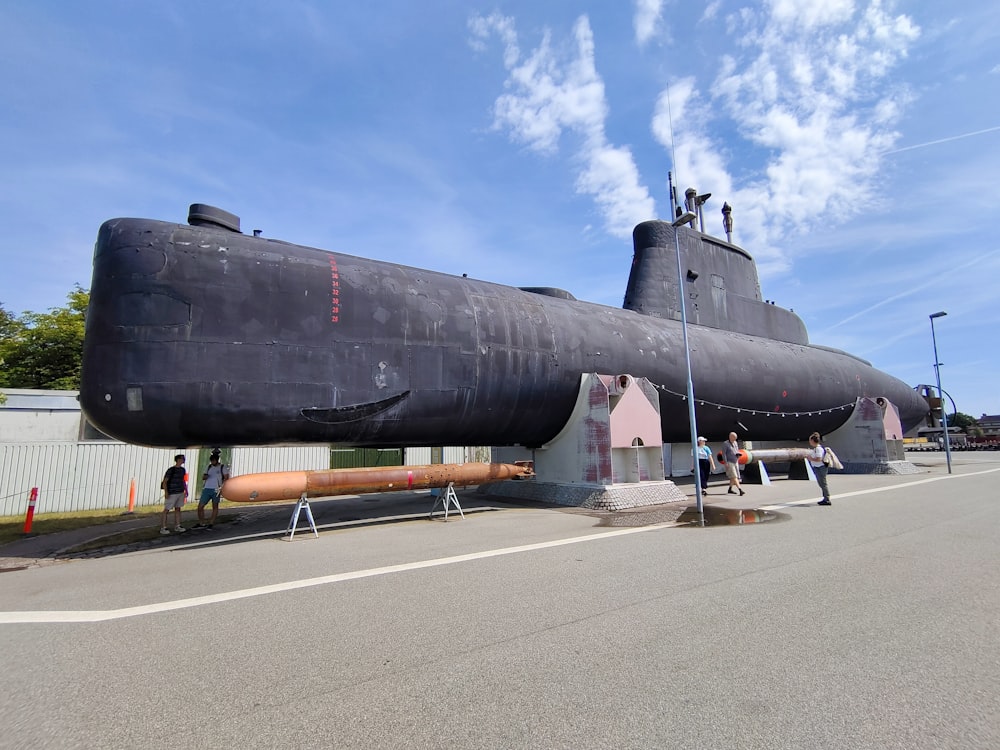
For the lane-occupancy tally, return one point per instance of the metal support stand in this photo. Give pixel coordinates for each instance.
(301, 505)
(447, 499)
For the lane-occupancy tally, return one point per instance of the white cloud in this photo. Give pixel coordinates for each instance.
(612, 178)
(550, 92)
(483, 28)
(646, 19)
(809, 97)
(700, 162)
(807, 15)
(711, 10)
(806, 90)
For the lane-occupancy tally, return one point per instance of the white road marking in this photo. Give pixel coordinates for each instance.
(873, 490)
(61, 616)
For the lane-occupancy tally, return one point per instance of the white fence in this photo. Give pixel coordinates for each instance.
(73, 476)
(89, 476)
(446, 455)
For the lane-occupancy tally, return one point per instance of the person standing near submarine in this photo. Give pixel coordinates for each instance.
(174, 486)
(817, 454)
(731, 452)
(706, 464)
(215, 474)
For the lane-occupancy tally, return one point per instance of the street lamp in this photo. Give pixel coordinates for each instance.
(937, 372)
(686, 218)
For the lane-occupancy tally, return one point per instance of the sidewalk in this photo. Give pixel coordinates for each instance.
(233, 521)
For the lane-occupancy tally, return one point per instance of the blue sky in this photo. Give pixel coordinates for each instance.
(519, 142)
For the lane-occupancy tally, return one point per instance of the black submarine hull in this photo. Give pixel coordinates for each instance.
(200, 335)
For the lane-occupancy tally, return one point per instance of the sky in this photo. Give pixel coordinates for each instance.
(519, 142)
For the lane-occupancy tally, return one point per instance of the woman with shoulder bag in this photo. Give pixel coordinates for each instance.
(818, 461)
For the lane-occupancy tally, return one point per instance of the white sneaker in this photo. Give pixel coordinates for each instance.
(179, 529)
(165, 532)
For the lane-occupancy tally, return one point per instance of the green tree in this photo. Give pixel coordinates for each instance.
(962, 421)
(44, 350)
(9, 326)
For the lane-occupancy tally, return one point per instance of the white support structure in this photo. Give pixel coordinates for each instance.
(301, 505)
(765, 478)
(447, 499)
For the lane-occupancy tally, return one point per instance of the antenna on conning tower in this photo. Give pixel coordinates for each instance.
(673, 195)
(694, 202)
(673, 158)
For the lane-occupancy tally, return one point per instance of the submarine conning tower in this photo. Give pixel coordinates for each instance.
(720, 283)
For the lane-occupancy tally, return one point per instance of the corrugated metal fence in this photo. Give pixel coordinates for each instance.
(79, 476)
(74, 476)
(447, 455)
(90, 476)
(285, 458)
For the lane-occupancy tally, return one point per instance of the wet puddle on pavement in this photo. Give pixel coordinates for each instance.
(690, 518)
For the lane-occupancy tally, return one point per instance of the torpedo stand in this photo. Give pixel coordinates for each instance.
(608, 456)
(301, 505)
(446, 498)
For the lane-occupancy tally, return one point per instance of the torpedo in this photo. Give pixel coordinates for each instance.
(198, 334)
(288, 485)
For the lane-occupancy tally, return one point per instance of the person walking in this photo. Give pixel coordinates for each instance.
(731, 452)
(215, 474)
(706, 464)
(816, 455)
(174, 486)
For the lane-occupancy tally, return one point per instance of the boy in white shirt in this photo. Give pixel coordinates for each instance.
(215, 474)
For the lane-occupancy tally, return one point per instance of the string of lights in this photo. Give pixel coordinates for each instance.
(755, 412)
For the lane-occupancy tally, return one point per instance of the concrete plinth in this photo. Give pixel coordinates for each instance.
(591, 496)
(879, 467)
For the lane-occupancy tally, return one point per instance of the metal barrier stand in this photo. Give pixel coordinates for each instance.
(447, 499)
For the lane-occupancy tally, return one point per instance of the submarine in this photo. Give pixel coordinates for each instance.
(199, 334)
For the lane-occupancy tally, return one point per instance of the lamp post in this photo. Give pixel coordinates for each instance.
(686, 218)
(937, 373)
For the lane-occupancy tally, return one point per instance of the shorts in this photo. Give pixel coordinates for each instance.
(176, 500)
(208, 495)
(733, 470)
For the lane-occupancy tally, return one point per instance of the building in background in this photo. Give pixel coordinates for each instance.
(990, 425)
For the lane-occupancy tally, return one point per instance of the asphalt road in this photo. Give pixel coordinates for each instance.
(874, 623)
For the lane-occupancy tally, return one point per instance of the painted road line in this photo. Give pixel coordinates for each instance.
(873, 490)
(63, 616)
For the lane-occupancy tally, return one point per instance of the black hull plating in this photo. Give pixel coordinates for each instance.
(199, 336)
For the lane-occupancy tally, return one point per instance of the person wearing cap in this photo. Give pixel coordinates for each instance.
(215, 474)
(706, 464)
